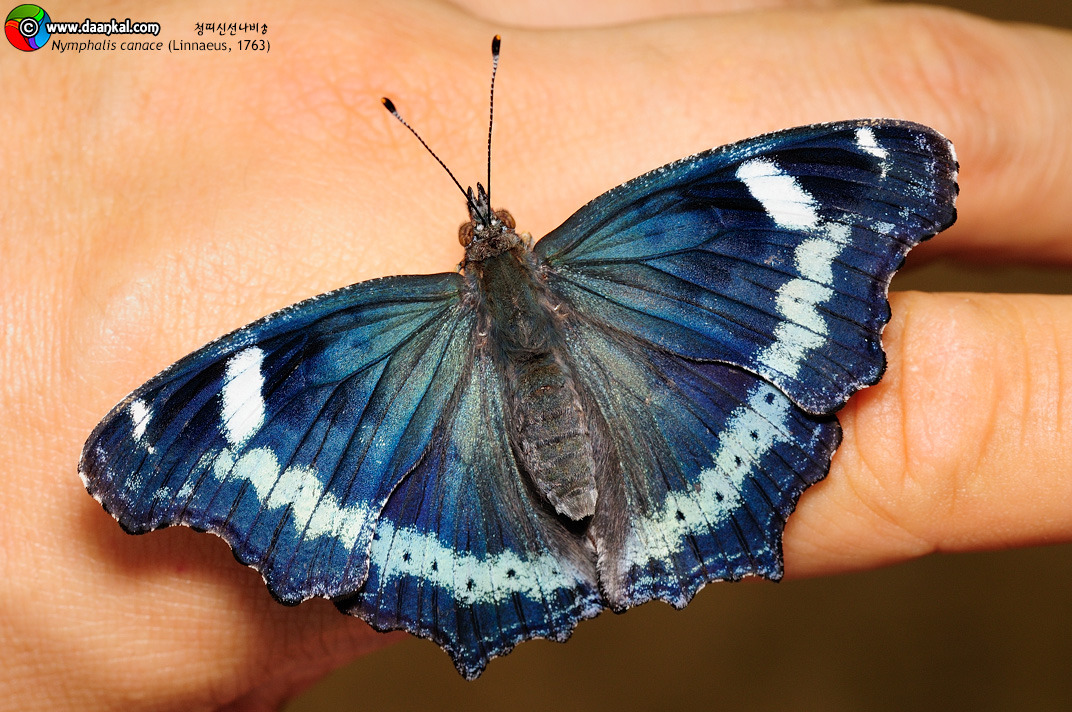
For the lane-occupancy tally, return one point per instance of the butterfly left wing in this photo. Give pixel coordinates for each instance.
(287, 437)
(354, 447)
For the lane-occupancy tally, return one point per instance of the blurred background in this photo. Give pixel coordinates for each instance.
(988, 631)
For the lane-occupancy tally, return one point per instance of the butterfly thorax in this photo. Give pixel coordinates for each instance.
(547, 425)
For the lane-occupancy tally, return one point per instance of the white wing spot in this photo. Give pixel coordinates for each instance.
(299, 488)
(140, 415)
(243, 398)
(780, 194)
(838, 233)
(866, 141)
(343, 522)
(803, 327)
(815, 260)
(259, 466)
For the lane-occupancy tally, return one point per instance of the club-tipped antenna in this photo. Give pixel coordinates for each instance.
(496, 42)
(390, 106)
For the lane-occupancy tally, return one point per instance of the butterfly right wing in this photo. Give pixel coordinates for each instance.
(724, 306)
(288, 436)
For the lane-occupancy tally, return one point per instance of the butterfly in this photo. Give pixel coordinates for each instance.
(623, 411)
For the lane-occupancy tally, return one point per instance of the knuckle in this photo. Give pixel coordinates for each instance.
(950, 395)
(925, 429)
(961, 68)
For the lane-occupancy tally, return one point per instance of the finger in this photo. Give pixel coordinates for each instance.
(627, 100)
(564, 14)
(962, 446)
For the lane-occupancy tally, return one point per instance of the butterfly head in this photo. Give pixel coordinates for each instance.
(488, 232)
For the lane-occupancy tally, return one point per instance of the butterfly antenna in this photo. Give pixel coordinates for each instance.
(495, 44)
(390, 106)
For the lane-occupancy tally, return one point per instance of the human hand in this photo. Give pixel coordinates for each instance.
(171, 199)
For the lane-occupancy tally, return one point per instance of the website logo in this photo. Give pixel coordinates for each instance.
(27, 27)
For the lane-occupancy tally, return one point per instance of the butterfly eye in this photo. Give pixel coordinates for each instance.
(465, 234)
(506, 218)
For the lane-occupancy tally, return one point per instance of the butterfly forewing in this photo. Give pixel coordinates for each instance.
(773, 254)
(286, 437)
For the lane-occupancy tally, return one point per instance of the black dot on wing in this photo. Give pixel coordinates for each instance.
(435, 566)
(469, 585)
(754, 435)
(736, 459)
(405, 556)
(770, 398)
(511, 573)
(718, 496)
(680, 517)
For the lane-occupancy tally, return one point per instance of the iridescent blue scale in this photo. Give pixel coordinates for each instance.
(425, 450)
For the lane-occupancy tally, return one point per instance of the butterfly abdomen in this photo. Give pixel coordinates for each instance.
(551, 434)
(549, 431)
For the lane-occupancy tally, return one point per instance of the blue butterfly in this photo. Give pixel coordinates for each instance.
(624, 411)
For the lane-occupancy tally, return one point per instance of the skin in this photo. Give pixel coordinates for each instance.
(153, 202)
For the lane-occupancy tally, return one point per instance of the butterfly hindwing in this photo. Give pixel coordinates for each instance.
(773, 254)
(288, 436)
(702, 465)
(464, 553)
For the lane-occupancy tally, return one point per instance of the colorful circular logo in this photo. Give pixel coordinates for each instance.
(26, 27)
